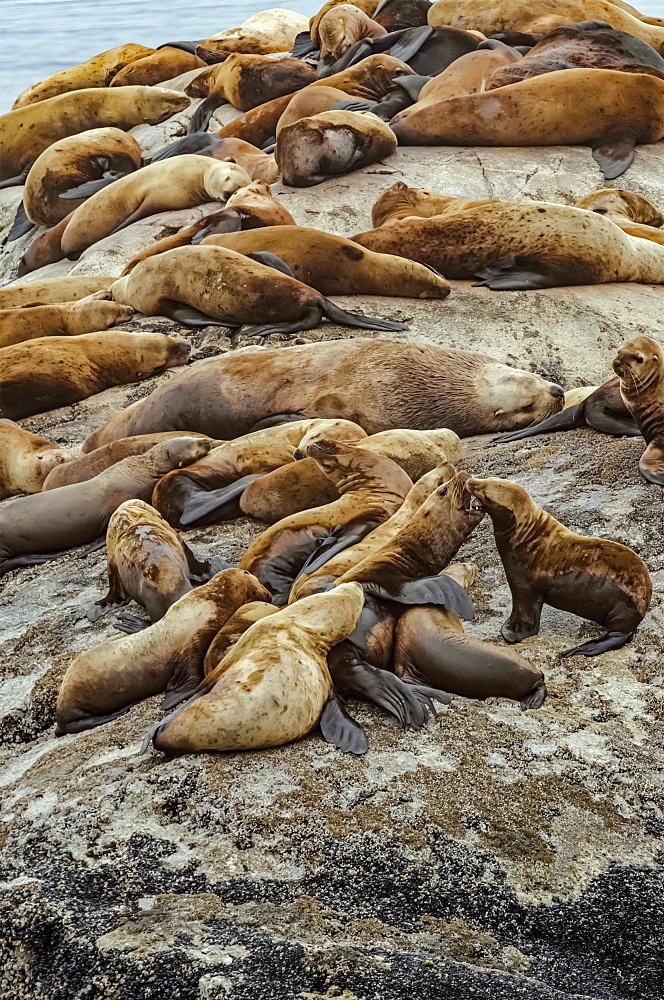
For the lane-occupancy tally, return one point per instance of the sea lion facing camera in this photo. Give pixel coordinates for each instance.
(340, 27)
(60, 319)
(639, 364)
(26, 460)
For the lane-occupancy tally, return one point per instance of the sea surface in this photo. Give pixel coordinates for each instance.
(40, 37)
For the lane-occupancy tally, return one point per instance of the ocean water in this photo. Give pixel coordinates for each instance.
(40, 37)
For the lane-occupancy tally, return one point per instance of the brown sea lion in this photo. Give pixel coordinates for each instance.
(97, 71)
(60, 319)
(310, 101)
(606, 109)
(421, 386)
(50, 372)
(68, 289)
(371, 488)
(402, 202)
(331, 143)
(546, 563)
(273, 686)
(233, 630)
(103, 683)
(273, 30)
(26, 460)
(335, 266)
(247, 81)
(341, 26)
(148, 563)
(634, 214)
(70, 170)
(396, 15)
(469, 74)
(196, 285)
(522, 245)
(77, 515)
(430, 646)
(639, 364)
(180, 182)
(164, 64)
(27, 132)
(44, 249)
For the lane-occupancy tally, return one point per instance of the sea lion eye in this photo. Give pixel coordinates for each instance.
(443, 492)
(639, 359)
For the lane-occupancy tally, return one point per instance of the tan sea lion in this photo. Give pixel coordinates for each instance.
(233, 630)
(97, 71)
(308, 102)
(273, 686)
(273, 30)
(422, 386)
(335, 266)
(26, 460)
(402, 202)
(341, 26)
(546, 563)
(365, 6)
(68, 289)
(639, 364)
(606, 109)
(27, 132)
(522, 245)
(50, 372)
(179, 182)
(469, 74)
(164, 64)
(102, 683)
(331, 143)
(634, 214)
(60, 319)
(77, 515)
(247, 81)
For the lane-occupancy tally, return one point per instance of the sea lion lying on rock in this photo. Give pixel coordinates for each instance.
(26, 460)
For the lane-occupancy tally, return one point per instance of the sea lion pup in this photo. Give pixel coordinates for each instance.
(196, 285)
(430, 646)
(331, 143)
(639, 364)
(164, 64)
(269, 31)
(177, 497)
(148, 563)
(606, 109)
(519, 245)
(60, 319)
(634, 214)
(371, 488)
(422, 386)
(402, 202)
(68, 289)
(80, 468)
(233, 630)
(26, 460)
(50, 372)
(470, 73)
(340, 27)
(335, 266)
(103, 683)
(94, 72)
(74, 168)
(273, 686)
(77, 515)
(546, 563)
(180, 182)
(27, 132)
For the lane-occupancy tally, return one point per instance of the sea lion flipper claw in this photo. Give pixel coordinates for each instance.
(341, 729)
(613, 155)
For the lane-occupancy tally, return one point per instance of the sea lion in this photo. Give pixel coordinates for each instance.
(50, 372)
(426, 50)
(148, 563)
(396, 15)
(273, 686)
(60, 319)
(422, 386)
(522, 245)
(639, 364)
(340, 27)
(308, 102)
(68, 289)
(259, 165)
(44, 249)
(634, 214)
(77, 515)
(199, 284)
(366, 7)
(233, 630)
(606, 109)
(371, 488)
(335, 266)
(78, 469)
(103, 683)
(97, 71)
(247, 81)
(430, 646)
(546, 563)
(402, 202)
(273, 30)
(180, 182)
(27, 132)
(164, 64)
(469, 74)
(71, 170)
(26, 460)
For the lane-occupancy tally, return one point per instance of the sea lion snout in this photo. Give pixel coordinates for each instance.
(557, 391)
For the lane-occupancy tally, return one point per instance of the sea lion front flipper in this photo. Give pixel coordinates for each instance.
(302, 45)
(271, 260)
(594, 647)
(21, 225)
(91, 187)
(202, 570)
(213, 506)
(651, 464)
(440, 590)
(614, 154)
(524, 621)
(564, 420)
(35, 559)
(352, 105)
(185, 46)
(203, 113)
(336, 315)
(187, 315)
(339, 538)
(230, 222)
(130, 624)
(409, 42)
(89, 722)
(341, 729)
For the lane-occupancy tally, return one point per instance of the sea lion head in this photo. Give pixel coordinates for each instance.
(618, 201)
(353, 468)
(465, 574)
(223, 178)
(638, 362)
(514, 399)
(456, 504)
(341, 430)
(157, 352)
(500, 498)
(162, 103)
(181, 451)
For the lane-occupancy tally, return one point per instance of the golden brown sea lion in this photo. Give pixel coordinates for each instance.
(26, 460)
(247, 81)
(341, 26)
(233, 630)
(310, 101)
(49, 372)
(469, 74)
(639, 364)
(27, 132)
(77, 515)
(102, 683)
(273, 30)
(402, 202)
(365, 6)
(60, 319)
(633, 213)
(179, 182)
(164, 64)
(38, 293)
(546, 563)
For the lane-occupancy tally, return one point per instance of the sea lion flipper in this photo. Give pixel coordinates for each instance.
(275, 420)
(21, 225)
(440, 590)
(202, 570)
(409, 42)
(187, 315)
(614, 154)
(15, 181)
(91, 187)
(511, 274)
(351, 105)
(34, 559)
(302, 45)
(271, 260)
(341, 729)
(565, 420)
(334, 314)
(535, 699)
(213, 506)
(595, 647)
(337, 540)
(129, 624)
(203, 113)
(229, 221)
(651, 464)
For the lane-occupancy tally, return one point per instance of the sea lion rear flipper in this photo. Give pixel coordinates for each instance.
(88, 722)
(565, 420)
(441, 590)
(203, 113)
(351, 105)
(614, 154)
(154, 729)
(187, 315)
(21, 224)
(336, 315)
(594, 647)
(129, 624)
(651, 464)
(185, 46)
(34, 559)
(511, 274)
(302, 45)
(91, 187)
(99, 608)
(98, 544)
(340, 729)
(15, 181)
(274, 421)
(535, 699)
(213, 506)
(271, 260)
(230, 222)
(339, 538)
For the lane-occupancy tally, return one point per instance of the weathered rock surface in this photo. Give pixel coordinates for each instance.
(495, 854)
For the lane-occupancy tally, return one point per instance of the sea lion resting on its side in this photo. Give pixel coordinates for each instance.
(26, 460)
(61, 319)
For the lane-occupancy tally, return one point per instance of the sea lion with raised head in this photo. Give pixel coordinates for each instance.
(103, 683)
(26, 460)
(60, 319)
(546, 563)
(639, 364)
(400, 202)
(68, 289)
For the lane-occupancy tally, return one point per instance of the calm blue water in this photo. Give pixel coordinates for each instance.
(40, 37)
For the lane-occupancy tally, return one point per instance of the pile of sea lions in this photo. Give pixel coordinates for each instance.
(350, 591)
